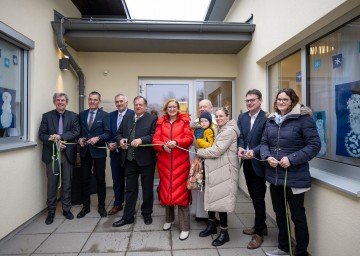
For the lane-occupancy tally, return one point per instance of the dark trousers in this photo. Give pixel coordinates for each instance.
(298, 216)
(223, 218)
(99, 164)
(257, 189)
(118, 177)
(132, 172)
(53, 179)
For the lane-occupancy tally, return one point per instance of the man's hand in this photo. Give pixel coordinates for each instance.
(82, 142)
(123, 143)
(55, 137)
(112, 146)
(135, 143)
(93, 140)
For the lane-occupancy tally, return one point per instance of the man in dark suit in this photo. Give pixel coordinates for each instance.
(59, 125)
(140, 160)
(95, 132)
(118, 173)
(251, 125)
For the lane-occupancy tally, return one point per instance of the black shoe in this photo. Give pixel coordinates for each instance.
(50, 218)
(122, 222)
(85, 210)
(209, 230)
(68, 215)
(147, 219)
(198, 219)
(222, 238)
(102, 212)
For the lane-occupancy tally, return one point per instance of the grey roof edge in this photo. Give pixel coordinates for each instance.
(74, 24)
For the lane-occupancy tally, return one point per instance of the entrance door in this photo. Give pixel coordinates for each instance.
(158, 91)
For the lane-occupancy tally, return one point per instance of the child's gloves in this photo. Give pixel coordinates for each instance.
(199, 133)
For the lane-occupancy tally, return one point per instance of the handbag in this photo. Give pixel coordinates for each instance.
(196, 175)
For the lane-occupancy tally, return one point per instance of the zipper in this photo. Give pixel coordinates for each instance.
(171, 168)
(277, 153)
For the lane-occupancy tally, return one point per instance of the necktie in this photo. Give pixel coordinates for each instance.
(91, 119)
(61, 125)
(120, 117)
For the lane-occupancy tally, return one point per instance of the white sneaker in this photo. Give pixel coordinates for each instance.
(276, 252)
(184, 235)
(167, 225)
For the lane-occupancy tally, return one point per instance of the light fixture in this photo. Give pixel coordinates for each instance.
(64, 63)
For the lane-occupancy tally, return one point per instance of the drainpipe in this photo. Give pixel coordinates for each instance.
(62, 46)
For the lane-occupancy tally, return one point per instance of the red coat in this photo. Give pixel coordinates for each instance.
(173, 167)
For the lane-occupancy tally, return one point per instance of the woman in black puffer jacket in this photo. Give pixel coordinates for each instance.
(289, 142)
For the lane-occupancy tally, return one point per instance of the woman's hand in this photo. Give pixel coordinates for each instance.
(272, 161)
(171, 143)
(284, 162)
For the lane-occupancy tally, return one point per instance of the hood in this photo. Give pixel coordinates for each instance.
(230, 125)
(299, 109)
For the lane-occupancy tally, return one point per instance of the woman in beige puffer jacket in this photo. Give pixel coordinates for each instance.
(221, 176)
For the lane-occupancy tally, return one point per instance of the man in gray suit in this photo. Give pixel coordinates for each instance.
(59, 125)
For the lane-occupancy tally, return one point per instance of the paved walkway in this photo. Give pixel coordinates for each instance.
(93, 235)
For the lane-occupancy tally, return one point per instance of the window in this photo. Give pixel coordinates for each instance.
(14, 49)
(334, 90)
(285, 74)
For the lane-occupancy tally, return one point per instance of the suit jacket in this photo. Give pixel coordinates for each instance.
(100, 127)
(144, 129)
(50, 125)
(252, 139)
(114, 128)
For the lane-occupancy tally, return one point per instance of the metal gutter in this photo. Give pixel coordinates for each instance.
(60, 31)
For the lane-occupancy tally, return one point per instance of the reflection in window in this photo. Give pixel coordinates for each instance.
(11, 65)
(335, 93)
(218, 92)
(285, 74)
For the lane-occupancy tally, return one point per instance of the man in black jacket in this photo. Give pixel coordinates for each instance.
(59, 125)
(251, 125)
(134, 131)
(95, 132)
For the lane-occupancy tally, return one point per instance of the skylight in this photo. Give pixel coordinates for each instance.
(178, 10)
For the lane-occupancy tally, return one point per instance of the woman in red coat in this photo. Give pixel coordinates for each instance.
(173, 129)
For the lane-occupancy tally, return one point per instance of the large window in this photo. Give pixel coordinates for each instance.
(334, 86)
(13, 87)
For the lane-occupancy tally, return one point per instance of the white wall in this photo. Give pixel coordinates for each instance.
(333, 216)
(22, 174)
(125, 69)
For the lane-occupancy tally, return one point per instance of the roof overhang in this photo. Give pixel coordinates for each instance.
(123, 35)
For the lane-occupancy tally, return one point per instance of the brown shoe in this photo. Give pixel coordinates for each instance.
(251, 231)
(255, 242)
(115, 209)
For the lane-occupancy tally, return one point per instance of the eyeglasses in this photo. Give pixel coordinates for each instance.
(285, 100)
(251, 100)
(172, 107)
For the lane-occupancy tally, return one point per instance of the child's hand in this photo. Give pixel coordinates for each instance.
(199, 133)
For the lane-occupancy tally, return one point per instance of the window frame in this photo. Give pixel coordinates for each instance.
(17, 39)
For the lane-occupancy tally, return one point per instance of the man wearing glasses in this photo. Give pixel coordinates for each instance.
(251, 125)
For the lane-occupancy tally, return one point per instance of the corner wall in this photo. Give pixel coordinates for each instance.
(333, 217)
(22, 174)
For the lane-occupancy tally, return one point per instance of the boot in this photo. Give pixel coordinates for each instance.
(50, 217)
(222, 238)
(209, 230)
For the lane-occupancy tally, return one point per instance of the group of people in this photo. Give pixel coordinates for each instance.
(274, 151)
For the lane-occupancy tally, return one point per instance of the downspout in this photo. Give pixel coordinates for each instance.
(63, 48)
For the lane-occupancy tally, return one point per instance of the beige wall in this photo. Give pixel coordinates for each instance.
(22, 175)
(333, 216)
(125, 69)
